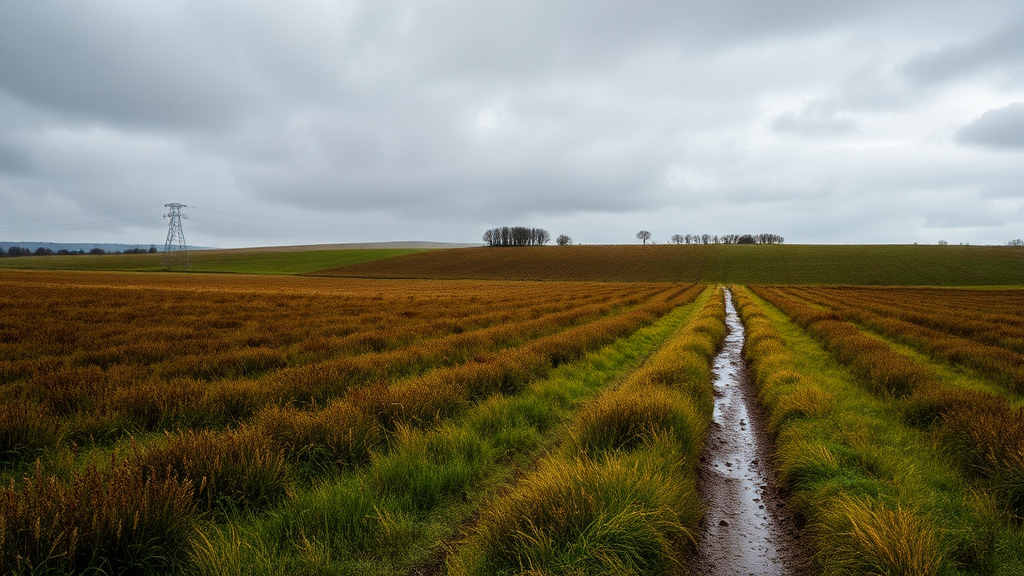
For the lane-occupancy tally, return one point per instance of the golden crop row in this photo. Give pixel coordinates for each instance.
(994, 317)
(95, 356)
(1005, 366)
(982, 432)
(253, 465)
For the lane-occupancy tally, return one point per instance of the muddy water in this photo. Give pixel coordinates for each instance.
(746, 529)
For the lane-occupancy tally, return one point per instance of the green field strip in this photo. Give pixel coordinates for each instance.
(392, 515)
(227, 261)
(847, 457)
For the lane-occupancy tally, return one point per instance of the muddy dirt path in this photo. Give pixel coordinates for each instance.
(746, 528)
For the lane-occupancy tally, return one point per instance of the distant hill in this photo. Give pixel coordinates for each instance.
(740, 264)
(76, 246)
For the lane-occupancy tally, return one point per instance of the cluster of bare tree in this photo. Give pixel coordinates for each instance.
(516, 236)
(1015, 242)
(727, 239)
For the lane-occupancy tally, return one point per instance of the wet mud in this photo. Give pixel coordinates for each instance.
(747, 528)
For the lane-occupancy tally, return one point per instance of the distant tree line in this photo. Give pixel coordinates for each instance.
(15, 251)
(516, 236)
(727, 239)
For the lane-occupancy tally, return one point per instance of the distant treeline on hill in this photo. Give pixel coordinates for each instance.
(727, 239)
(15, 251)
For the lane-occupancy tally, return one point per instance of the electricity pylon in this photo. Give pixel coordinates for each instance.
(175, 250)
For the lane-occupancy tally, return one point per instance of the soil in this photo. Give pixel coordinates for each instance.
(747, 526)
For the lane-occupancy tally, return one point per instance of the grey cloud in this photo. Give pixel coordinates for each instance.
(1001, 50)
(14, 159)
(813, 123)
(404, 111)
(1002, 129)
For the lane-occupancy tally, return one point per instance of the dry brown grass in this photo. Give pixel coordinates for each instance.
(104, 354)
(982, 330)
(116, 522)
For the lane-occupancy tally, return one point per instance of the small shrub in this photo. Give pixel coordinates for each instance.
(631, 416)
(25, 430)
(228, 471)
(806, 401)
(154, 404)
(866, 537)
(580, 517)
(121, 521)
(337, 436)
(430, 467)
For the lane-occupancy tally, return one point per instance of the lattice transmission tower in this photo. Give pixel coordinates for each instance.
(175, 250)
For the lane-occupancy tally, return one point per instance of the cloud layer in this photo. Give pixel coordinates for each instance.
(389, 119)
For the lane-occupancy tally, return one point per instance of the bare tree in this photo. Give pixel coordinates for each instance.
(643, 235)
(563, 240)
(516, 236)
(943, 243)
(678, 239)
(1015, 242)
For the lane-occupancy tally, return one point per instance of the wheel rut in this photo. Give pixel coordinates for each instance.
(747, 527)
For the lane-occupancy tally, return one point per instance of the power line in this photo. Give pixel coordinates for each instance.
(75, 222)
(175, 250)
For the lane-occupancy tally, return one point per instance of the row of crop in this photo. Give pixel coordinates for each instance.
(84, 403)
(85, 326)
(620, 495)
(982, 433)
(189, 354)
(1006, 367)
(255, 467)
(859, 478)
(365, 415)
(989, 316)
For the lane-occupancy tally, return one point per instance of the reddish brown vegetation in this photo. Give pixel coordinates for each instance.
(982, 330)
(261, 380)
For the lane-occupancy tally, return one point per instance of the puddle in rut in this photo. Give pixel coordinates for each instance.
(746, 529)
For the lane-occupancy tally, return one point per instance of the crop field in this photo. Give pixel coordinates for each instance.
(883, 265)
(253, 261)
(274, 424)
(213, 424)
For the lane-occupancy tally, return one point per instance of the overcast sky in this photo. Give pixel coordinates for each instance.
(322, 122)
